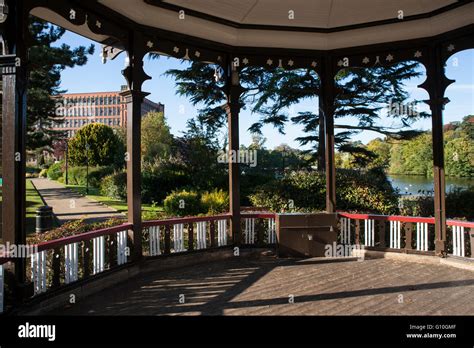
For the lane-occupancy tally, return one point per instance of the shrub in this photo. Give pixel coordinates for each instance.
(78, 175)
(183, 203)
(72, 228)
(459, 204)
(159, 179)
(43, 173)
(55, 171)
(153, 215)
(367, 191)
(215, 202)
(114, 185)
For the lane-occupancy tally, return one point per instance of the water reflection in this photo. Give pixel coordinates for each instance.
(416, 185)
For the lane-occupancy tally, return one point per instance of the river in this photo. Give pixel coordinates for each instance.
(415, 184)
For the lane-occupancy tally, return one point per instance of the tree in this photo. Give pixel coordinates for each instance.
(156, 137)
(413, 157)
(98, 144)
(381, 149)
(364, 93)
(46, 64)
(196, 155)
(269, 94)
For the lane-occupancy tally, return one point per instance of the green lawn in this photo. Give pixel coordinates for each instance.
(117, 204)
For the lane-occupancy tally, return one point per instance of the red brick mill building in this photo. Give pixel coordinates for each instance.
(108, 108)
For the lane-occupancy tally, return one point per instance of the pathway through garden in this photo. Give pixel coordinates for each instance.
(69, 205)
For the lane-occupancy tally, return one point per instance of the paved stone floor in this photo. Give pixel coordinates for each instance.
(264, 287)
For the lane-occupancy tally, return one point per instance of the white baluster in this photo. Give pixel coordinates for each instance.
(343, 230)
(426, 238)
(458, 241)
(221, 232)
(252, 230)
(98, 254)
(249, 231)
(38, 271)
(399, 234)
(155, 237)
(395, 227)
(271, 231)
(348, 231)
(201, 234)
(121, 247)
(246, 229)
(369, 232)
(2, 289)
(178, 239)
(418, 236)
(391, 234)
(421, 236)
(71, 259)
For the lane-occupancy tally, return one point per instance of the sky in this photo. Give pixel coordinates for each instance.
(98, 77)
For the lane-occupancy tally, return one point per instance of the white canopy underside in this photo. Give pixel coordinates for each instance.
(312, 14)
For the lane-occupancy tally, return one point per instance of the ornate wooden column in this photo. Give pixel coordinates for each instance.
(436, 84)
(233, 108)
(327, 98)
(13, 28)
(134, 96)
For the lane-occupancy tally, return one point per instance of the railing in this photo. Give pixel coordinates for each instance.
(63, 261)
(258, 229)
(69, 259)
(414, 234)
(181, 235)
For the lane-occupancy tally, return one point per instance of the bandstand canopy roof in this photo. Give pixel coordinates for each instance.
(312, 24)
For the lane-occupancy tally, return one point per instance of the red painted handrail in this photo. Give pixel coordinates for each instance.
(429, 220)
(110, 230)
(259, 215)
(82, 237)
(191, 219)
(185, 220)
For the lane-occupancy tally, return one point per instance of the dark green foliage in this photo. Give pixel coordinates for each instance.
(55, 171)
(459, 204)
(105, 147)
(159, 178)
(46, 64)
(78, 175)
(368, 191)
(114, 185)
